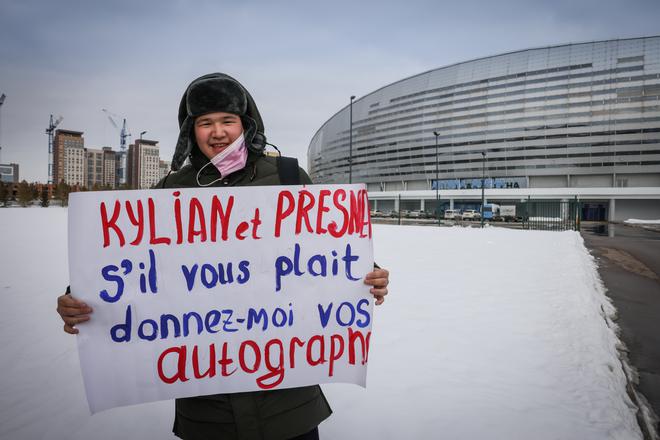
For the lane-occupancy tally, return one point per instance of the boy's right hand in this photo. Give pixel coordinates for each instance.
(72, 311)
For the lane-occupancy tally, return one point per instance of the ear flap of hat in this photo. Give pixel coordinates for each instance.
(183, 145)
(255, 140)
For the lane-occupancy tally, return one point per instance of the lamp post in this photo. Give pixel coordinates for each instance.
(2, 101)
(350, 142)
(483, 176)
(142, 133)
(437, 183)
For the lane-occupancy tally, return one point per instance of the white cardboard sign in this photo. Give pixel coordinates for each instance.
(220, 290)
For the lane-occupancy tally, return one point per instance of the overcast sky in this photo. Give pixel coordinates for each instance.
(301, 60)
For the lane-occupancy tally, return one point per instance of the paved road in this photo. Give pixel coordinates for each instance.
(629, 264)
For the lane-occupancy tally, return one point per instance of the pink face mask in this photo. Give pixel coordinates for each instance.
(229, 160)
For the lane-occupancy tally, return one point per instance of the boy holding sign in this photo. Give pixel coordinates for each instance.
(222, 137)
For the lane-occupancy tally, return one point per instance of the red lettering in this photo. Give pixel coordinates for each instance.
(196, 210)
(210, 372)
(181, 365)
(256, 221)
(353, 336)
(177, 218)
(355, 221)
(240, 230)
(321, 353)
(303, 210)
(257, 356)
(292, 350)
(282, 213)
(106, 224)
(334, 355)
(274, 371)
(217, 211)
(365, 205)
(226, 361)
(332, 227)
(139, 221)
(322, 208)
(152, 226)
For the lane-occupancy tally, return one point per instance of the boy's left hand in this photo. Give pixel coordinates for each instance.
(378, 279)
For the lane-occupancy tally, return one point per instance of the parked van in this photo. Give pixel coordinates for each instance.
(451, 214)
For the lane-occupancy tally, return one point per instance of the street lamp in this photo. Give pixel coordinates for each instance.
(2, 101)
(142, 133)
(483, 176)
(437, 183)
(350, 142)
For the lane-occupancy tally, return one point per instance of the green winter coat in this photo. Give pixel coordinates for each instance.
(268, 415)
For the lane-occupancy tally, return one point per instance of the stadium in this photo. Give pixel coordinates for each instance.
(569, 122)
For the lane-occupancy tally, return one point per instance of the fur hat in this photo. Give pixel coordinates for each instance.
(216, 92)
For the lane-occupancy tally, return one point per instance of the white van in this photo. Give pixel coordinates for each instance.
(451, 214)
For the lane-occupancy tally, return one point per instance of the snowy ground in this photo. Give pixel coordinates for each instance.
(636, 221)
(491, 333)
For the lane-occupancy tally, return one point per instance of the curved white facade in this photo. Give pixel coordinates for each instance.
(578, 115)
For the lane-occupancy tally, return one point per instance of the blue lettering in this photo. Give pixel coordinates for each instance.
(351, 309)
(108, 276)
(255, 316)
(348, 259)
(189, 274)
(206, 269)
(296, 260)
(152, 272)
(283, 267)
(335, 263)
(154, 330)
(124, 327)
(226, 276)
(363, 312)
(164, 329)
(212, 319)
(320, 259)
(245, 272)
(324, 314)
(281, 321)
(186, 325)
(227, 321)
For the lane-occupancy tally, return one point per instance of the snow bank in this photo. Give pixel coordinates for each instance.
(487, 333)
(636, 221)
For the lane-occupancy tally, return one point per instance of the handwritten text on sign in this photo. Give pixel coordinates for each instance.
(205, 291)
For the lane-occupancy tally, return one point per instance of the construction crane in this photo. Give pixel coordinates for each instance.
(49, 131)
(123, 134)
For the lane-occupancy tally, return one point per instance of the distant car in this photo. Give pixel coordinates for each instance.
(393, 214)
(452, 214)
(471, 214)
(417, 213)
(376, 213)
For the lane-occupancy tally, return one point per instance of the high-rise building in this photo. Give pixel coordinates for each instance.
(164, 168)
(9, 172)
(109, 168)
(143, 164)
(94, 164)
(69, 157)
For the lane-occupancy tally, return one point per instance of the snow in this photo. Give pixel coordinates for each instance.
(545, 219)
(487, 333)
(636, 221)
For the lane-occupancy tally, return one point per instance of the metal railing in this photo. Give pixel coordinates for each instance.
(549, 215)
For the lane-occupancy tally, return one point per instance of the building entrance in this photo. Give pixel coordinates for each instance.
(594, 212)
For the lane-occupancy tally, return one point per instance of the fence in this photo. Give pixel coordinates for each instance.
(548, 215)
